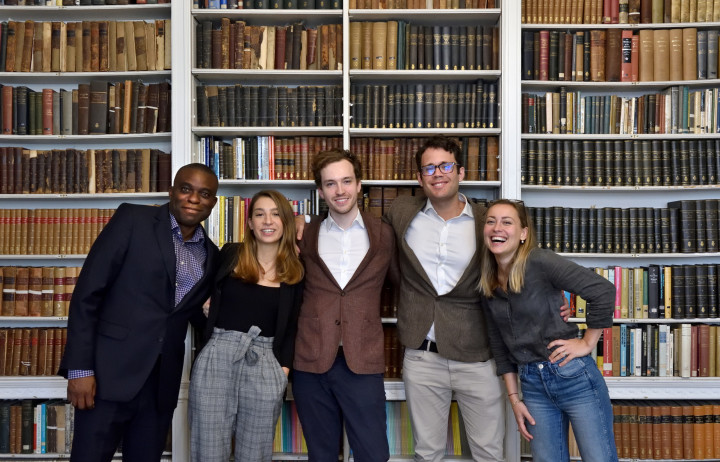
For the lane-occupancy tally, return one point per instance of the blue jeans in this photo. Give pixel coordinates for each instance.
(575, 393)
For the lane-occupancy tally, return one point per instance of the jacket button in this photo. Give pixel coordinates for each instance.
(337, 322)
(160, 339)
(342, 293)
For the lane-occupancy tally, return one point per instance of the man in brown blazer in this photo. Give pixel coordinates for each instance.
(339, 348)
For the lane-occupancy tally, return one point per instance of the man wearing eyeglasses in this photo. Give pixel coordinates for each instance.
(440, 321)
(147, 274)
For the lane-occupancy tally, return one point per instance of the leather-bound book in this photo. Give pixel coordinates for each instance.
(83, 110)
(27, 46)
(55, 39)
(646, 69)
(8, 294)
(297, 30)
(37, 48)
(613, 55)
(129, 43)
(22, 286)
(553, 58)
(661, 55)
(86, 46)
(597, 55)
(103, 59)
(98, 107)
(702, 54)
(19, 44)
(492, 158)
(355, 45)
(141, 54)
(47, 111)
(11, 45)
(689, 67)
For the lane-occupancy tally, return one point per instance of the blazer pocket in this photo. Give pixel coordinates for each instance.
(112, 330)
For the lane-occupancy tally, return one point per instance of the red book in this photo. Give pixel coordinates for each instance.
(47, 111)
(544, 54)
(607, 352)
(635, 58)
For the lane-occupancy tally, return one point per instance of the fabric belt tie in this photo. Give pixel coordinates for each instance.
(244, 351)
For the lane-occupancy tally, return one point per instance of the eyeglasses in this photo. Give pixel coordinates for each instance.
(445, 167)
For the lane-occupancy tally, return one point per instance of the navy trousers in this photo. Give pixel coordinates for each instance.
(138, 423)
(324, 401)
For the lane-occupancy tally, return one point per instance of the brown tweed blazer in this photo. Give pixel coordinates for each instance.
(329, 313)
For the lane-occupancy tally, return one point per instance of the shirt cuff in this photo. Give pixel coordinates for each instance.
(77, 374)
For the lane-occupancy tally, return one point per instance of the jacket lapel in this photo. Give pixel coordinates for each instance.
(405, 223)
(164, 239)
(312, 251)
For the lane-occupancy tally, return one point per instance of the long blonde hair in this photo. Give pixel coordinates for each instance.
(288, 267)
(488, 267)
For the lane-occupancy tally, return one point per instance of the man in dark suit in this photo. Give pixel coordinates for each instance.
(147, 274)
(339, 347)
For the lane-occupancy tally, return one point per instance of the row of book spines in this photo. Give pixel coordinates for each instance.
(87, 46)
(71, 171)
(37, 291)
(396, 45)
(50, 231)
(682, 227)
(659, 292)
(424, 106)
(96, 108)
(80, 2)
(420, 4)
(31, 351)
(618, 11)
(400, 435)
(667, 430)
(659, 351)
(616, 55)
(354, 4)
(289, 435)
(227, 220)
(269, 106)
(241, 158)
(620, 163)
(36, 427)
(674, 111)
(268, 4)
(382, 159)
(236, 45)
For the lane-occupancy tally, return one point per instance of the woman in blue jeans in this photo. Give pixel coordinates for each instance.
(561, 384)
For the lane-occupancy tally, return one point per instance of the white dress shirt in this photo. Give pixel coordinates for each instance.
(342, 250)
(444, 248)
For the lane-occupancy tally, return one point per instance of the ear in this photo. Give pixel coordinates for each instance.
(419, 178)
(524, 234)
(461, 173)
(320, 193)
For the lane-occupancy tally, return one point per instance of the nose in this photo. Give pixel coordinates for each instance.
(194, 197)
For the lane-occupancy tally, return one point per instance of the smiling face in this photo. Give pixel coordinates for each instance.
(192, 198)
(265, 222)
(503, 231)
(340, 188)
(440, 186)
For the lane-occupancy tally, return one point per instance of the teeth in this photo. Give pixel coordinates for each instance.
(498, 239)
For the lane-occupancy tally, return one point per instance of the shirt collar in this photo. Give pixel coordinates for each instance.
(329, 222)
(197, 236)
(467, 209)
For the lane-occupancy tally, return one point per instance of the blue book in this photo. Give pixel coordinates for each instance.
(623, 350)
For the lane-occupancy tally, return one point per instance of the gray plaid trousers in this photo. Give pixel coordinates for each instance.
(236, 387)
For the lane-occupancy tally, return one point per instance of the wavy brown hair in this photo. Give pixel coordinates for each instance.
(488, 266)
(288, 268)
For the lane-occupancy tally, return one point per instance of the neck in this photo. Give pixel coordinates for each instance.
(267, 253)
(449, 208)
(344, 220)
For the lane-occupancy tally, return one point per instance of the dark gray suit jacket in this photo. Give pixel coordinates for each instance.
(460, 329)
